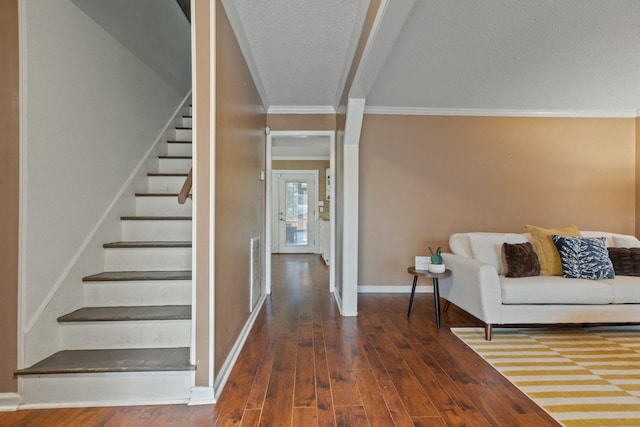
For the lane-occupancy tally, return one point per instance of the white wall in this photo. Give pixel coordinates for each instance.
(93, 109)
(156, 31)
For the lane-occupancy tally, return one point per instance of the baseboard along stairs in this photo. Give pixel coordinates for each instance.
(130, 342)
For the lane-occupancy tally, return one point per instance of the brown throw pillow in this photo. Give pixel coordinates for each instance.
(626, 261)
(521, 259)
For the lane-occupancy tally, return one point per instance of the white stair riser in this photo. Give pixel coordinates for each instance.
(162, 206)
(145, 292)
(187, 122)
(183, 134)
(174, 165)
(142, 230)
(106, 389)
(179, 149)
(165, 184)
(190, 111)
(147, 259)
(131, 334)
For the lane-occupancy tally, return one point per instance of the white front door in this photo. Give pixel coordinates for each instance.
(294, 215)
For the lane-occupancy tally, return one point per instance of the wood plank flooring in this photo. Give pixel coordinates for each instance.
(306, 365)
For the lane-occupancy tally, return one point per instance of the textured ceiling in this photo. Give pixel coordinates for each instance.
(502, 55)
(301, 49)
(543, 55)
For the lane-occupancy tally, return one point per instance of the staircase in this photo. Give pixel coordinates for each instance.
(130, 342)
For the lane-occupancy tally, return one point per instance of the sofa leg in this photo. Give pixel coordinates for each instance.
(487, 331)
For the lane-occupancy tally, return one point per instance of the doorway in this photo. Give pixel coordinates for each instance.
(290, 148)
(294, 216)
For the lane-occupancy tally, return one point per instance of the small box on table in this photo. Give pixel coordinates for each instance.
(422, 262)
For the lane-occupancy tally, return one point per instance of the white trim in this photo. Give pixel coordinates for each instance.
(125, 187)
(22, 247)
(9, 402)
(332, 153)
(245, 48)
(194, 184)
(417, 111)
(301, 109)
(202, 396)
(350, 192)
(212, 191)
(390, 289)
(267, 207)
(230, 362)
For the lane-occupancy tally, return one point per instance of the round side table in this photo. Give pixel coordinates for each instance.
(436, 290)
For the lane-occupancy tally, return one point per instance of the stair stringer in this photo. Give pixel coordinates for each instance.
(41, 334)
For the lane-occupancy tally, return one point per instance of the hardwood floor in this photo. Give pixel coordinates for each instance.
(305, 365)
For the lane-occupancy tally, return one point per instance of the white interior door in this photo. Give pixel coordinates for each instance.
(294, 216)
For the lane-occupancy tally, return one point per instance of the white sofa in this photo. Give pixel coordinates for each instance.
(477, 287)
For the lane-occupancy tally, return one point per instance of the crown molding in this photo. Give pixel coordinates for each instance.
(301, 109)
(414, 111)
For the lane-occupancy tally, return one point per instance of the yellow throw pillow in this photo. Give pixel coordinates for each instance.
(547, 253)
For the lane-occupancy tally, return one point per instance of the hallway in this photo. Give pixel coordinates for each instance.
(304, 364)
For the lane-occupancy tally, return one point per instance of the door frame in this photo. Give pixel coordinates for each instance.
(332, 212)
(312, 196)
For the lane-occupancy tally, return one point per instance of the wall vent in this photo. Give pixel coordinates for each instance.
(255, 281)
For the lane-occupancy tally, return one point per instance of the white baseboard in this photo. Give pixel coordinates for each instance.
(375, 289)
(202, 396)
(225, 371)
(9, 402)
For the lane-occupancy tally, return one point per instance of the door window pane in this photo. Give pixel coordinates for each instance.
(296, 216)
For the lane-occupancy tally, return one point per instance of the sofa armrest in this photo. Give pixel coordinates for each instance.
(473, 286)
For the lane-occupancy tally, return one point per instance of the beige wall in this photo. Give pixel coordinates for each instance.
(239, 195)
(202, 140)
(637, 123)
(425, 177)
(9, 179)
(301, 121)
(320, 165)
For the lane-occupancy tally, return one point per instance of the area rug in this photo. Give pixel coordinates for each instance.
(580, 376)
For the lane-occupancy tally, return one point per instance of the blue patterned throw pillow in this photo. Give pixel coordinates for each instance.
(584, 257)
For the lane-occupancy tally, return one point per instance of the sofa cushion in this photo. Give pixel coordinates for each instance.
(555, 290)
(584, 257)
(487, 247)
(459, 244)
(626, 289)
(521, 260)
(626, 261)
(546, 250)
(626, 242)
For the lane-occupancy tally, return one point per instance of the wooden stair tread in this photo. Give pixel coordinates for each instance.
(135, 276)
(125, 314)
(156, 194)
(147, 244)
(155, 218)
(112, 360)
(168, 174)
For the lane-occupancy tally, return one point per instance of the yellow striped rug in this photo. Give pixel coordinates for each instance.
(581, 377)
